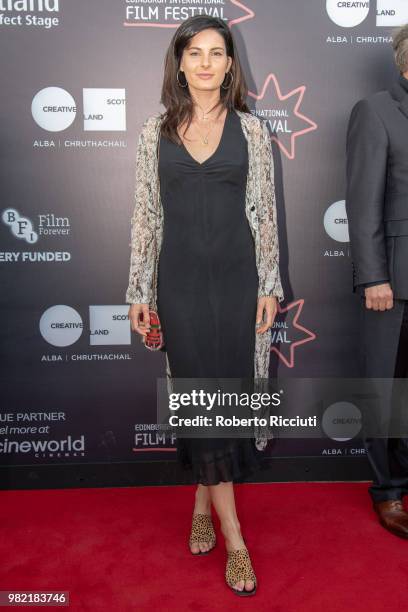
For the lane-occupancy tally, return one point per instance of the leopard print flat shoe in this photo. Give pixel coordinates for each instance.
(238, 568)
(202, 530)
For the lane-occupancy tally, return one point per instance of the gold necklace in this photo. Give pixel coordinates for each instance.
(204, 139)
(206, 112)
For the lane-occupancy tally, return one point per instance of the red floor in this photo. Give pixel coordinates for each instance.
(314, 547)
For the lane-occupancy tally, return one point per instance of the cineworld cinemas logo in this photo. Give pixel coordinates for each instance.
(67, 447)
(288, 334)
(169, 14)
(30, 13)
(283, 113)
(350, 13)
(54, 109)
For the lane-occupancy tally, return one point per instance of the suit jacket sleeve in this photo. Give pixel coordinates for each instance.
(365, 285)
(367, 152)
(143, 227)
(269, 275)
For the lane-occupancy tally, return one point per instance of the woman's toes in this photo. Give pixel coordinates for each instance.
(195, 548)
(203, 546)
(249, 585)
(240, 585)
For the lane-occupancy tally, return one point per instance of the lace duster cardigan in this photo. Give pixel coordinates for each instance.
(260, 208)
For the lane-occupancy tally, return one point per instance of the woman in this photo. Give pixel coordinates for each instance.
(205, 255)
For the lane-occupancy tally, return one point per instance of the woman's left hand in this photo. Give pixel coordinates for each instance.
(270, 306)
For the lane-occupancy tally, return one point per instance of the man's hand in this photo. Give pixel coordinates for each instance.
(379, 297)
(143, 326)
(269, 305)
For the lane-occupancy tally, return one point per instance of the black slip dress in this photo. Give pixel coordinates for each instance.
(207, 285)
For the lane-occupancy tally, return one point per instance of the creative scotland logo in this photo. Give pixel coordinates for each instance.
(336, 223)
(61, 325)
(54, 109)
(342, 421)
(351, 13)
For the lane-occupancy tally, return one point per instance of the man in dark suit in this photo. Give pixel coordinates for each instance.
(377, 211)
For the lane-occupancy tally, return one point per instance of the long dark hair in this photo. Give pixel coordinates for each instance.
(176, 99)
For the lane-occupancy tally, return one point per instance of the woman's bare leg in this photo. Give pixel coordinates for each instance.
(223, 499)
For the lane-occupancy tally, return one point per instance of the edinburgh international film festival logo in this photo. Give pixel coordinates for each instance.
(170, 13)
(288, 333)
(283, 112)
(351, 13)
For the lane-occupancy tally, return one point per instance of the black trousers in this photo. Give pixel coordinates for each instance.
(384, 354)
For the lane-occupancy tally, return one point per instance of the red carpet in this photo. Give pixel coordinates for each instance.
(314, 547)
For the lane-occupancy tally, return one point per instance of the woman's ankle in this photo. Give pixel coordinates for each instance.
(202, 502)
(231, 528)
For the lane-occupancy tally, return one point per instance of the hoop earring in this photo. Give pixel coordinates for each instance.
(230, 83)
(178, 79)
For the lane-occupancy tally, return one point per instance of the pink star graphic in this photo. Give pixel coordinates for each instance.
(309, 334)
(248, 14)
(299, 92)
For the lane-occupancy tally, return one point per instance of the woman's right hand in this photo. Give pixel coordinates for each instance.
(139, 326)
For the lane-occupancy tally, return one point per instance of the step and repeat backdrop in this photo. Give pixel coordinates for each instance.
(79, 77)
